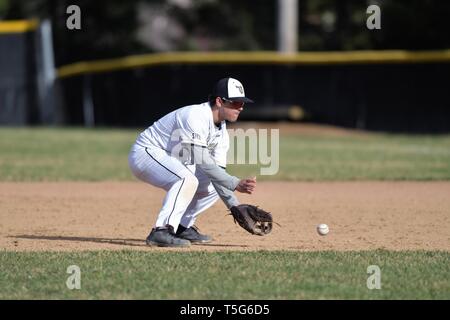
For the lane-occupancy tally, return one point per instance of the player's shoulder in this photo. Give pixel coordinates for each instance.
(196, 112)
(196, 108)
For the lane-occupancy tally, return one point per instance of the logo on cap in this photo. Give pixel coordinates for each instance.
(241, 90)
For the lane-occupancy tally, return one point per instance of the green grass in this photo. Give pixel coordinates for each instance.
(371, 157)
(225, 275)
(54, 154)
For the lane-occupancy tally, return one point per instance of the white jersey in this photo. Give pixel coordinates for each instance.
(191, 124)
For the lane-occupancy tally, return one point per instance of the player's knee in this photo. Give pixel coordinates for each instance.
(191, 183)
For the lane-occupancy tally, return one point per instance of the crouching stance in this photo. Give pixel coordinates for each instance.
(184, 153)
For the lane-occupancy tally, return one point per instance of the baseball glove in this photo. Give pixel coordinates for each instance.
(253, 219)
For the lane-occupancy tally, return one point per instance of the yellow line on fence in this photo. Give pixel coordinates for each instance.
(259, 57)
(18, 26)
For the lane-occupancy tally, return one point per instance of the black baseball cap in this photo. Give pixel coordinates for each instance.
(231, 89)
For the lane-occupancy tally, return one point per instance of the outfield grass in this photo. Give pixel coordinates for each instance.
(54, 154)
(225, 275)
(368, 157)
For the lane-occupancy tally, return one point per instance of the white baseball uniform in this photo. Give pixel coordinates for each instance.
(155, 159)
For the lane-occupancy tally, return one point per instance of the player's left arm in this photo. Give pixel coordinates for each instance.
(228, 197)
(205, 162)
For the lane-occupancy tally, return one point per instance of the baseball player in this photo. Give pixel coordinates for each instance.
(185, 153)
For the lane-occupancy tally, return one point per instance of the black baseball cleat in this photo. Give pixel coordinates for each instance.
(192, 234)
(166, 237)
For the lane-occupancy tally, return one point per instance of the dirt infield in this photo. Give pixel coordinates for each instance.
(118, 215)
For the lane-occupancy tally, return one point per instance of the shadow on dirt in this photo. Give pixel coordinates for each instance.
(116, 241)
(126, 242)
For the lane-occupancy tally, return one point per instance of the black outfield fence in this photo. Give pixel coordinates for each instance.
(27, 74)
(390, 91)
(397, 91)
(18, 73)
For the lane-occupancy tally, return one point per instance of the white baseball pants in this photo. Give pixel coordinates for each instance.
(189, 191)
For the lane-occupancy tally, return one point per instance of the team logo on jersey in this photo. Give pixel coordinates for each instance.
(240, 88)
(196, 136)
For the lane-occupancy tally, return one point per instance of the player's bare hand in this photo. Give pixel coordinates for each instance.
(247, 185)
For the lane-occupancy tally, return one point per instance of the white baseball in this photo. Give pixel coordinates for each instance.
(322, 229)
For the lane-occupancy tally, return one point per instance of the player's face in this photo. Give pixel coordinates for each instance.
(231, 109)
